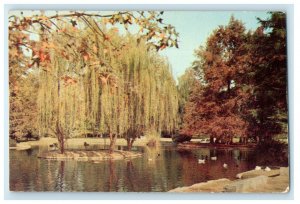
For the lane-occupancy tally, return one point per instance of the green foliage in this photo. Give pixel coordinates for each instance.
(269, 62)
(185, 84)
(92, 80)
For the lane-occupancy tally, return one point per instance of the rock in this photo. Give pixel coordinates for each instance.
(247, 185)
(284, 171)
(254, 173)
(286, 190)
(209, 186)
(230, 188)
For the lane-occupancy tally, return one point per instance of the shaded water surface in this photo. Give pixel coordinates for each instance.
(160, 169)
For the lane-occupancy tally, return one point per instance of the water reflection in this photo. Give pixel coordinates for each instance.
(160, 169)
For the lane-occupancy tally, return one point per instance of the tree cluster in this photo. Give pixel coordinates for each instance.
(90, 79)
(241, 90)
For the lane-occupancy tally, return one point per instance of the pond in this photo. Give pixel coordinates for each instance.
(160, 169)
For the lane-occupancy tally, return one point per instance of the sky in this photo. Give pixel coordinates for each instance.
(194, 27)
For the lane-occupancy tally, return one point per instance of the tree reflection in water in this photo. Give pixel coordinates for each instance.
(60, 177)
(160, 169)
(112, 176)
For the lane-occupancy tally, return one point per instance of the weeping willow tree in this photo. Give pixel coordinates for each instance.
(121, 93)
(151, 100)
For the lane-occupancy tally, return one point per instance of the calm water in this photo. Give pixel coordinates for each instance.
(160, 169)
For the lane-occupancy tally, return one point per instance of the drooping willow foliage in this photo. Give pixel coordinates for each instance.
(131, 94)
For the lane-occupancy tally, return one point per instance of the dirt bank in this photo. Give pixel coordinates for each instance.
(254, 181)
(77, 142)
(197, 145)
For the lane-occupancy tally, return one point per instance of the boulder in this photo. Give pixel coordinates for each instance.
(247, 185)
(209, 186)
(284, 171)
(255, 173)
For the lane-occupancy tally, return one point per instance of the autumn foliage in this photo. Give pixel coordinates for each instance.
(90, 78)
(241, 89)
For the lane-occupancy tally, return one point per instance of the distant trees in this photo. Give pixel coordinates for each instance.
(92, 80)
(241, 90)
(23, 85)
(185, 85)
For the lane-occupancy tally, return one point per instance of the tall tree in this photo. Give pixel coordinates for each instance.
(215, 107)
(90, 77)
(269, 81)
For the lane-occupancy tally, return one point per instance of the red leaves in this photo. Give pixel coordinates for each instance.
(64, 54)
(85, 55)
(106, 38)
(216, 110)
(68, 80)
(44, 56)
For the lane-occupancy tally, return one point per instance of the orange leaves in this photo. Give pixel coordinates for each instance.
(65, 54)
(95, 49)
(67, 80)
(44, 56)
(106, 38)
(162, 35)
(85, 55)
(39, 56)
(163, 47)
(116, 30)
(43, 18)
(63, 30)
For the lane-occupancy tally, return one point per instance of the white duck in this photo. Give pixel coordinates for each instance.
(201, 161)
(225, 166)
(257, 168)
(267, 169)
(213, 158)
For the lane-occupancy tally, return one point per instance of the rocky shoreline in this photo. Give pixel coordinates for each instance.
(254, 181)
(93, 156)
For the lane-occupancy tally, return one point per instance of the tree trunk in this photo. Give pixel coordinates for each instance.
(257, 139)
(60, 138)
(112, 144)
(130, 142)
(211, 139)
(59, 133)
(228, 85)
(61, 146)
